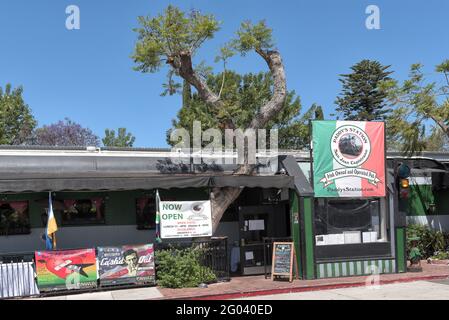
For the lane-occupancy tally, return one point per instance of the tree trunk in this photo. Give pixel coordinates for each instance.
(222, 198)
(186, 94)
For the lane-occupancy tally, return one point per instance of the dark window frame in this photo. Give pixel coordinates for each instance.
(349, 252)
(75, 222)
(141, 222)
(22, 228)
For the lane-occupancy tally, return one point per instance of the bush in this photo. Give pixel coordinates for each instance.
(181, 268)
(431, 242)
(441, 255)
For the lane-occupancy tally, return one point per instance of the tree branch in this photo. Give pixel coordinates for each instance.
(224, 197)
(185, 69)
(272, 107)
(441, 124)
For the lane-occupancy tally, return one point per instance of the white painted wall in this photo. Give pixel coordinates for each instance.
(93, 236)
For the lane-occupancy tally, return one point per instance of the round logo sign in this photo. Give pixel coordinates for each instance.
(350, 146)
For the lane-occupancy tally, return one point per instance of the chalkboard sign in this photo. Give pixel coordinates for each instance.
(283, 260)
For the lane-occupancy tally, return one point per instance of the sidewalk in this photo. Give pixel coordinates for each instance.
(126, 294)
(251, 286)
(257, 285)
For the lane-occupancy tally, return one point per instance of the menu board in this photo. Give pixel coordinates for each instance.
(283, 259)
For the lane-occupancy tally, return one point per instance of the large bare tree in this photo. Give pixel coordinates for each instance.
(173, 38)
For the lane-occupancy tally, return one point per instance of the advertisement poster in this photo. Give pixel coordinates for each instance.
(185, 219)
(71, 269)
(348, 159)
(126, 265)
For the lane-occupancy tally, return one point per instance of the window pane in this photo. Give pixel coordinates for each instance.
(146, 213)
(14, 218)
(83, 211)
(350, 221)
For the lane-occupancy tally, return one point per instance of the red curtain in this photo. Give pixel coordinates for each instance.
(141, 202)
(69, 203)
(19, 206)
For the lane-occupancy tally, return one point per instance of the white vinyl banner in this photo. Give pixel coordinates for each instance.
(185, 219)
(17, 280)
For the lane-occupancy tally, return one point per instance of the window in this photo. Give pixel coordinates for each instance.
(339, 221)
(14, 218)
(146, 213)
(83, 211)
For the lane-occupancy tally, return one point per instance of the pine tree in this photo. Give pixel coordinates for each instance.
(362, 97)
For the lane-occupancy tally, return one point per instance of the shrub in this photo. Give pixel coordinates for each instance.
(431, 242)
(441, 255)
(181, 268)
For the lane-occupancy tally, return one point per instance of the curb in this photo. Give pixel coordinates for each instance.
(306, 289)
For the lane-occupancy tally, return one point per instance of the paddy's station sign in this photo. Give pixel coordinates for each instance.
(348, 158)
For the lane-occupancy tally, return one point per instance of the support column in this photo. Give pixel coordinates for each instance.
(309, 241)
(401, 251)
(295, 228)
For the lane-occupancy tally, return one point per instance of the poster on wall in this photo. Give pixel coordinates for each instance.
(185, 219)
(126, 265)
(348, 158)
(66, 270)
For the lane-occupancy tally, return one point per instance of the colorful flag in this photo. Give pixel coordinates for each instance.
(348, 158)
(158, 218)
(52, 227)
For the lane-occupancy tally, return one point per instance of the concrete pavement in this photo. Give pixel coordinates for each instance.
(128, 294)
(419, 290)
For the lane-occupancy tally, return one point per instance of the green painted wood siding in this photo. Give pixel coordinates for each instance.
(355, 268)
(120, 206)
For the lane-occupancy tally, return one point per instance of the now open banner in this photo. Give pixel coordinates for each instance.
(185, 219)
(348, 158)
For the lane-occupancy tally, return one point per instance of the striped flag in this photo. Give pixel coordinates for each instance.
(52, 227)
(348, 158)
(158, 218)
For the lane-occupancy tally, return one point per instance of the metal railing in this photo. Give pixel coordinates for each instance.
(213, 254)
(17, 276)
(18, 270)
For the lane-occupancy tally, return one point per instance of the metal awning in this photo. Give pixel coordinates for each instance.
(101, 173)
(301, 183)
(115, 183)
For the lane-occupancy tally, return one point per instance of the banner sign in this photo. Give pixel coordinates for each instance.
(185, 219)
(126, 265)
(71, 269)
(348, 159)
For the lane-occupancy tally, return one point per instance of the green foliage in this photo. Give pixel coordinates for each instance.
(253, 37)
(165, 37)
(181, 268)
(243, 95)
(16, 120)
(416, 101)
(430, 242)
(363, 97)
(123, 138)
(437, 140)
(441, 255)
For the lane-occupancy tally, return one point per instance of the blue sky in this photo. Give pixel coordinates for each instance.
(87, 74)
